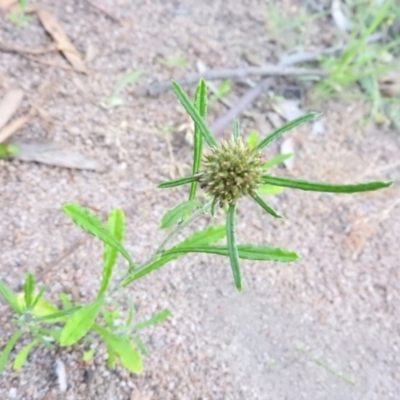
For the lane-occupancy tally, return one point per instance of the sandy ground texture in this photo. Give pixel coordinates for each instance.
(326, 327)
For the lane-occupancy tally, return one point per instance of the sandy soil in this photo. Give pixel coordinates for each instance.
(323, 328)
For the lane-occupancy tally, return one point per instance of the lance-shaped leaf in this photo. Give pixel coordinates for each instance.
(236, 129)
(276, 161)
(245, 251)
(22, 356)
(178, 212)
(210, 235)
(266, 207)
(92, 224)
(324, 187)
(178, 182)
(200, 104)
(194, 114)
(130, 357)
(116, 226)
(252, 139)
(155, 319)
(79, 324)
(270, 190)
(232, 247)
(8, 348)
(10, 297)
(59, 315)
(158, 263)
(112, 357)
(140, 345)
(38, 296)
(29, 287)
(287, 127)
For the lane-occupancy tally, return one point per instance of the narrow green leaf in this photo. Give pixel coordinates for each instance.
(232, 247)
(324, 187)
(178, 182)
(128, 79)
(194, 114)
(79, 324)
(92, 224)
(270, 190)
(112, 358)
(155, 319)
(43, 340)
(222, 90)
(252, 139)
(29, 287)
(266, 207)
(245, 251)
(287, 127)
(7, 150)
(213, 207)
(116, 226)
(130, 357)
(59, 315)
(23, 354)
(8, 348)
(131, 313)
(65, 300)
(276, 161)
(38, 296)
(210, 235)
(10, 297)
(140, 345)
(178, 212)
(236, 129)
(140, 273)
(200, 103)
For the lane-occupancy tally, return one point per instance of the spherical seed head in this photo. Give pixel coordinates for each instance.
(231, 170)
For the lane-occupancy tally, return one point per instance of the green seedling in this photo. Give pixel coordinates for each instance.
(176, 61)
(223, 90)
(322, 363)
(227, 172)
(117, 100)
(8, 150)
(20, 17)
(289, 29)
(361, 58)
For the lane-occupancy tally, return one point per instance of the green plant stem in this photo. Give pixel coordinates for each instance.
(171, 235)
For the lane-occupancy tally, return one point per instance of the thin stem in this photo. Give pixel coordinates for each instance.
(171, 235)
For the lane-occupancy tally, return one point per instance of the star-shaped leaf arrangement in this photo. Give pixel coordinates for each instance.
(234, 169)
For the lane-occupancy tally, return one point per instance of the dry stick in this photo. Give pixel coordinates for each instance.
(47, 63)
(29, 54)
(10, 48)
(240, 73)
(249, 97)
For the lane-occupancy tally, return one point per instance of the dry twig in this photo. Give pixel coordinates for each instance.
(11, 48)
(239, 73)
(250, 96)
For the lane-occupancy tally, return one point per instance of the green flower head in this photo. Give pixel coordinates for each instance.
(231, 171)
